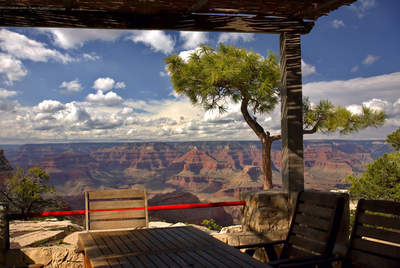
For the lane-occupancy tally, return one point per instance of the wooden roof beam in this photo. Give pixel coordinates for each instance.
(116, 20)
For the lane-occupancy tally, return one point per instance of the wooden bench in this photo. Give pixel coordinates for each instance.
(104, 200)
(375, 237)
(313, 229)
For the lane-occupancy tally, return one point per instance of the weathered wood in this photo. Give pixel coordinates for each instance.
(378, 220)
(310, 245)
(291, 113)
(109, 215)
(311, 233)
(376, 248)
(383, 206)
(312, 210)
(385, 235)
(324, 199)
(92, 252)
(117, 224)
(360, 258)
(116, 194)
(312, 222)
(112, 204)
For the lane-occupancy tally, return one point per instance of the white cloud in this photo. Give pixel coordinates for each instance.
(307, 69)
(193, 39)
(235, 37)
(90, 57)
(4, 93)
(356, 90)
(107, 83)
(7, 106)
(109, 99)
(185, 55)
(49, 106)
(157, 40)
(354, 69)
(75, 38)
(71, 87)
(12, 68)
(22, 47)
(337, 24)
(370, 59)
(362, 6)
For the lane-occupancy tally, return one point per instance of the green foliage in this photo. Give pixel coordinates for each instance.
(381, 180)
(327, 118)
(211, 225)
(28, 192)
(210, 76)
(394, 139)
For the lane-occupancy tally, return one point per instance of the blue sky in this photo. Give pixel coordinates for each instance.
(66, 85)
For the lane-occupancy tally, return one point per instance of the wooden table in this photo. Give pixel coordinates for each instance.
(160, 247)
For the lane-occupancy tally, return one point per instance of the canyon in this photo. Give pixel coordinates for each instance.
(204, 171)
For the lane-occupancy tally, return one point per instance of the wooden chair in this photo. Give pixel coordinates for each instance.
(375, 237)
(313, 229)
(116, 199)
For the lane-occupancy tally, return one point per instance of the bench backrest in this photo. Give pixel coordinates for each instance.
(116, 199)
(375, 237)
(315, 224)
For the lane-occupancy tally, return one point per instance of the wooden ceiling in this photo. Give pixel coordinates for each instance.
(258, 16)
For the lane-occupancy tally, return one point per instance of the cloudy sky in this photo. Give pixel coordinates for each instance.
(67, 85)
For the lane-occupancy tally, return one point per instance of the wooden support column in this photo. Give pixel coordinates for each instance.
(291, 113)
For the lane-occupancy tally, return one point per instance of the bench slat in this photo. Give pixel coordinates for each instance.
(93, 205)
(114, 224)
(116, 194)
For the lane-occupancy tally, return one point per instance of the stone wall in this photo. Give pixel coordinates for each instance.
(267, 213)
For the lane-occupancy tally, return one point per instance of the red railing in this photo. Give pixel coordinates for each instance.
(150, 208)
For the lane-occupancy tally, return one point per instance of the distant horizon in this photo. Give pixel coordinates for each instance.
(188, 141)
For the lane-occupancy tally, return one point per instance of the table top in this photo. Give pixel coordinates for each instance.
(161, 247)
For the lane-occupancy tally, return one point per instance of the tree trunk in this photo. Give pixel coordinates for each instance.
(266, 141)
(267, 163)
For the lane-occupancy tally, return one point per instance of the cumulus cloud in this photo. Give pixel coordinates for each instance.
(155, 39)
(337, 24)
(90, 57)
(193, 39)
(49, 106)
(75, 38)
(71, 87)
(107, 83)
(235, 37)
(356, 90)
(370, 59)
(21, 47)
(185, 55)
(8, 106)
(4, 93)
(307, 69)
(109, 99)
(11, 68)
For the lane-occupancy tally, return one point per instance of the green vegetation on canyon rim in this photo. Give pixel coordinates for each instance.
(381, 180)
(214, 78)
(28, 192)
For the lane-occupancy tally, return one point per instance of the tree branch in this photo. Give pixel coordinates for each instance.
(257, 128)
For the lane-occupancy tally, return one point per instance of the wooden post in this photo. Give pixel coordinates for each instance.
(4, 232)
(291, 114)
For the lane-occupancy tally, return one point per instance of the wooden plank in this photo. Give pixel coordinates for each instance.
(153, 258)
(316, 211)
(93, 205)
(383, 206)
(312, 222)
(378, 220)
(311, 245)
(203, 237)
(319, 198)
(122, 243)
(381, 234)
(115, 248)
(310, 233)
(376, 248)
(92, 251)
(109, 215)
(116, 194)
(146, 213)
(97, 237)
(136, 247)
(365, 259)
(115, 224)
(292, 251)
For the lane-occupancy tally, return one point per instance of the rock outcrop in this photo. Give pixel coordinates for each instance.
(6, 170)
